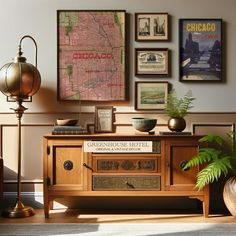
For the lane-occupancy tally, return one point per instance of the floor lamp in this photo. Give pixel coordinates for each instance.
(19, 81)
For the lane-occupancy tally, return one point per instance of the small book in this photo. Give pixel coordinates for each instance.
(65, 132)
(67, 128)
(174, 133)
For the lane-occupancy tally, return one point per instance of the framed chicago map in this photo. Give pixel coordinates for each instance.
(91, 55)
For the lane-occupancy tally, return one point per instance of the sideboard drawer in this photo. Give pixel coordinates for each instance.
(117, 163)
(127, 182)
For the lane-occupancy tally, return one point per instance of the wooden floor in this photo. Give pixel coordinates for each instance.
(82, 216)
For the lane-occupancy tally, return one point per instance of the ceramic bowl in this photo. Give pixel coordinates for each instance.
(66, 122)
(144, 124)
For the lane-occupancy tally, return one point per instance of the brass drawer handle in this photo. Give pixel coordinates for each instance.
(88, 167)
(129, 185)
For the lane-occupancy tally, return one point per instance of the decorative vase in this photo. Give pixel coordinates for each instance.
(176, 124)
(229, 195)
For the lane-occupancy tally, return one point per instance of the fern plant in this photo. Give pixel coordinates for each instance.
(178, 107)
(219, 157)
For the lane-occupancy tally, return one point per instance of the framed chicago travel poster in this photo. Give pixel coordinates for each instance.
(91, 55)
(200, 50)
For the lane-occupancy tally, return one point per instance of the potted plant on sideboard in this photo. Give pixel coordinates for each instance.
(177, 108)
(219, 158)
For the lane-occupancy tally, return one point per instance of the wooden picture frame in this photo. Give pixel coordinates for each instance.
(213, 128)
(91, 48)
(152, 61)
(200, 50)
(151, 26)
(103, 119)
(150, 95)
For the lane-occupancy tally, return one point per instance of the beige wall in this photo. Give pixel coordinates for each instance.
(214, 105)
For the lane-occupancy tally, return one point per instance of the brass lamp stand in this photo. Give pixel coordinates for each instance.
(19, 81)
(19, 210)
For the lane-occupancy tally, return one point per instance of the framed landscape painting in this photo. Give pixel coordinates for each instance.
(150, 95)
(200, 50)
(91, 55)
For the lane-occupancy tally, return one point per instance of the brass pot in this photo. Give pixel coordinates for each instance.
(176, 124)
(229, 195)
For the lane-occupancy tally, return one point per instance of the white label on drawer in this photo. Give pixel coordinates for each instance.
(117, 146)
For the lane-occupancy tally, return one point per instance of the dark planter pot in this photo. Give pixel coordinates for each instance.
(176, 124)
(229, 195)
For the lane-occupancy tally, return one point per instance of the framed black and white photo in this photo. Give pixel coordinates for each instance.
(200, 50)
(151, 27)
(151, 61)
(103, 119)
(150, 95)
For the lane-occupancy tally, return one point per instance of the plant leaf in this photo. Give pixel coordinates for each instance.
(178, 107)
(205, 155)
(213, 172)
(210, 138)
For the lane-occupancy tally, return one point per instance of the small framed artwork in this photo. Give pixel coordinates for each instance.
(103, 119)
(150, 95)
(200, 50)
(151, 27)
(152, 61)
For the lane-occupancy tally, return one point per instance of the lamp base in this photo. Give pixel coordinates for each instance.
(18, 211)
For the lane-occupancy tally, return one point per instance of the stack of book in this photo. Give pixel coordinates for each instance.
(63, 129)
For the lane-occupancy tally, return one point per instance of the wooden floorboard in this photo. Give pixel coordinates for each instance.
(88, 216)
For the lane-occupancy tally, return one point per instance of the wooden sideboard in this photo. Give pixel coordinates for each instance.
(71, 170)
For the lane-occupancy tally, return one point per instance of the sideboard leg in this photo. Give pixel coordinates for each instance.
(47, 205)
(205, 203)
(46, 210)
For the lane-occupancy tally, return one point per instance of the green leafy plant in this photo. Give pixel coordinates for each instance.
(219, 157)
(178, 107)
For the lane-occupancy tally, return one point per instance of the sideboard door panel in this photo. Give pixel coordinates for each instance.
(65, 166)
(68, 165)
(177, 154)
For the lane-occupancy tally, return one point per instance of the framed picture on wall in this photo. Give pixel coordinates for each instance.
(91, 55)
(151, 27)
(103, 119)
(151, 61)
(200, 50)
(150, 95)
